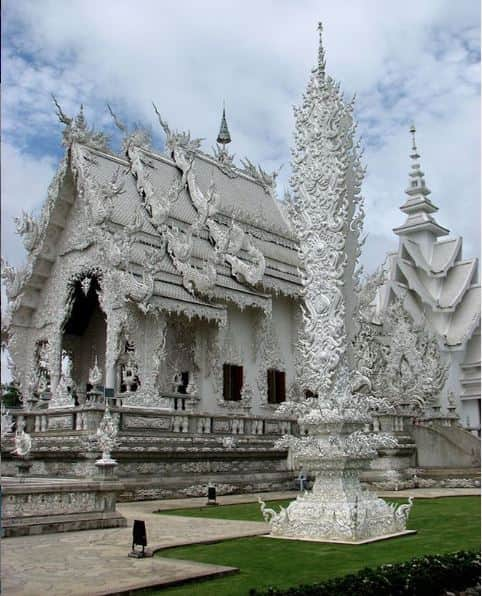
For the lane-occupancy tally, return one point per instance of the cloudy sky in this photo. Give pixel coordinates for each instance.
(407, 61)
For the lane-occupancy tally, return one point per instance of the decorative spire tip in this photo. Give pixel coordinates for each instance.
(321, 52)
(223, 137)
(413, 130)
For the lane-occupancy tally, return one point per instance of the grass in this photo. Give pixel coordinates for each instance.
(243, 512)
(443, 525)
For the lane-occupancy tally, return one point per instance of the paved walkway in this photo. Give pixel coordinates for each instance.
(95, 562)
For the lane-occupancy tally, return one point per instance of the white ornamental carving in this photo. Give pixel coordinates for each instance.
(107, 435)
(327, 216)
(23, 441)
(28, 228)
(95, 374)
(7, 421)
(401, 360)
(77, 130)
(227, 244)
(62, 397)
(267, 181)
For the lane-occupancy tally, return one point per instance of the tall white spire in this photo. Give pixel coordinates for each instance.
(326, 183)
(327, 215)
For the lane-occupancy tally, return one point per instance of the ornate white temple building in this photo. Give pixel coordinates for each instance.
(167, 283)
(441, 290)
(175, 273)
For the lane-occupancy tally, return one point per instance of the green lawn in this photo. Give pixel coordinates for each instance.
(443, 525)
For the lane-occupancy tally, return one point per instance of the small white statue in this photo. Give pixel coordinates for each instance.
(129, 376)
(229, 442)
(23, 441)
(191, 388)
(95, 374)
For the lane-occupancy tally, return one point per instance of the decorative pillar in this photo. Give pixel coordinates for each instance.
(55, 358)
(110, 296)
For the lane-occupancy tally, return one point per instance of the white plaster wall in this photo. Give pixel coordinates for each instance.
(242, 343)
(470, 414)
(472, 353)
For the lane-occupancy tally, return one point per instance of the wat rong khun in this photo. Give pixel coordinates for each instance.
(177, 325)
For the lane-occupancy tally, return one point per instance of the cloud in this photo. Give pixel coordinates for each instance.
(412, 61)
(25, 180)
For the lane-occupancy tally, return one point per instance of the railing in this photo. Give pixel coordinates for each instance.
(88, 417)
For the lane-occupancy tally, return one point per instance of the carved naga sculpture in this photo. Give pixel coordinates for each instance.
(28, 228)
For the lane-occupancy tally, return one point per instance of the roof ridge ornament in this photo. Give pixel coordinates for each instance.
(176, 138)
(77, 130)
(138, 136)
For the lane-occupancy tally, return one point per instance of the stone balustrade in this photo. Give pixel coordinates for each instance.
(88, 416)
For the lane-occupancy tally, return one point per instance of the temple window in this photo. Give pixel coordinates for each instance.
(276, 386)
(232, 382)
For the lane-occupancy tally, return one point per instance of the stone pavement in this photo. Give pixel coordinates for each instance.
(95, 562)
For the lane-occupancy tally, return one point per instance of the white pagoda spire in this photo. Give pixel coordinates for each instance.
(417, 184)
(418, 206)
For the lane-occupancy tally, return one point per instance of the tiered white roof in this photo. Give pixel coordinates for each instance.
(429, 273)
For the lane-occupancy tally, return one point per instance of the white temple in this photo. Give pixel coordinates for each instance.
(176, 272)
(441, 290)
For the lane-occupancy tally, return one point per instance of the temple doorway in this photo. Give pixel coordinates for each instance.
(84, 336)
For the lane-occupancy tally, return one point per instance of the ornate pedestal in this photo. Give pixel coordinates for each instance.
(338, 509)
(106, 469)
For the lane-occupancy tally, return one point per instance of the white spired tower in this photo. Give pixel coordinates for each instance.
(439, 289)
(327, 215)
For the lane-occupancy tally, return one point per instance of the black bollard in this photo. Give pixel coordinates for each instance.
(139, 538)
(211, 495)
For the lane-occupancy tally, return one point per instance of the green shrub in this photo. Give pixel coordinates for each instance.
(431, 575)
(10, 396)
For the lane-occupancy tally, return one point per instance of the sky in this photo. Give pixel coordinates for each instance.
(412, 61)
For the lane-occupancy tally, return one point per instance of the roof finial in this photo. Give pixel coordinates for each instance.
(413, 130)
(417, 180)
(321, 52)
(223, 137)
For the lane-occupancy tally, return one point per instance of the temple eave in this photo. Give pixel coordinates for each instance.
(434, 228)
